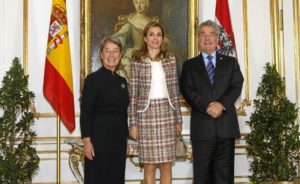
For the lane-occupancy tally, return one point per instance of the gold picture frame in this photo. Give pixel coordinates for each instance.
(88, 28)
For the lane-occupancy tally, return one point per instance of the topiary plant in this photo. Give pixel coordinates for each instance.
(274, 139)
(18, 158)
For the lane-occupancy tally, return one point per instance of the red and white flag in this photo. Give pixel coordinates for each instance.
(226, 44)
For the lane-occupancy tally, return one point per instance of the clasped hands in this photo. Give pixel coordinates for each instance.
(215, 109)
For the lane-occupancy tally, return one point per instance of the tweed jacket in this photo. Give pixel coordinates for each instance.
(139, 87)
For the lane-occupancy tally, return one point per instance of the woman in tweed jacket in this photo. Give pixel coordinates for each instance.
(154, 111)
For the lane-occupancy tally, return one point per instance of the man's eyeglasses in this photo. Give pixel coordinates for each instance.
(208, 35)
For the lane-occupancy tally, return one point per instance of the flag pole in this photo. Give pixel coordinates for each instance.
(58, 177)
(25, 36)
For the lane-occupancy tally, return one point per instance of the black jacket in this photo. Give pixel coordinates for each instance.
(199, 92)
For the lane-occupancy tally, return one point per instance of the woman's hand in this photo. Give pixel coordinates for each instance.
(178, 128)
(134, 133)
(88, 148)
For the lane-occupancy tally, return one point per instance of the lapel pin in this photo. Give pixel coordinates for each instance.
(123, 85)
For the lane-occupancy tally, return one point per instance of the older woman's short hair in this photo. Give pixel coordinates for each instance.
(111, 39)
(210, 23)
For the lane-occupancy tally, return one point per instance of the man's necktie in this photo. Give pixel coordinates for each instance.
(210, 69)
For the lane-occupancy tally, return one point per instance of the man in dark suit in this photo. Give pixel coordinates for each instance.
(211, 83)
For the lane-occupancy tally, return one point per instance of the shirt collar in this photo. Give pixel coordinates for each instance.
(214, 59)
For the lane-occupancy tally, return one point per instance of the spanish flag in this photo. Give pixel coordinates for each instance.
(58, 83)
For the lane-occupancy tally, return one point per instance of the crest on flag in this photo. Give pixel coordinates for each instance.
(226, 43)
(55, 28)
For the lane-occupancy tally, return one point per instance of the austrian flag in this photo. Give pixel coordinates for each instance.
(58, 82)
(226, 44)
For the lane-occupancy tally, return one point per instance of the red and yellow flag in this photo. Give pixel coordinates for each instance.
(58, 83)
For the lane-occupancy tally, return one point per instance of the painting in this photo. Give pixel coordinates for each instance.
(100, 18)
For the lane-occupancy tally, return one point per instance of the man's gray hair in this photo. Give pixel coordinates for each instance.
(210, 23)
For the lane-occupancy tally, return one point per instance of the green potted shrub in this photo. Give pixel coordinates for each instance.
(18, 158)
(274, 139)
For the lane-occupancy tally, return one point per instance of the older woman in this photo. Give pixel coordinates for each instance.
(154, 111)
(103, 118)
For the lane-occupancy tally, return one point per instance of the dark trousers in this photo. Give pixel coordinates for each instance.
(213, 161)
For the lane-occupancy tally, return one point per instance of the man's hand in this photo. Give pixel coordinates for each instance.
(215, 109)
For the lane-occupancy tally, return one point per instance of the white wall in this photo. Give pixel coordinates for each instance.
(11, 45)
(11, 33)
